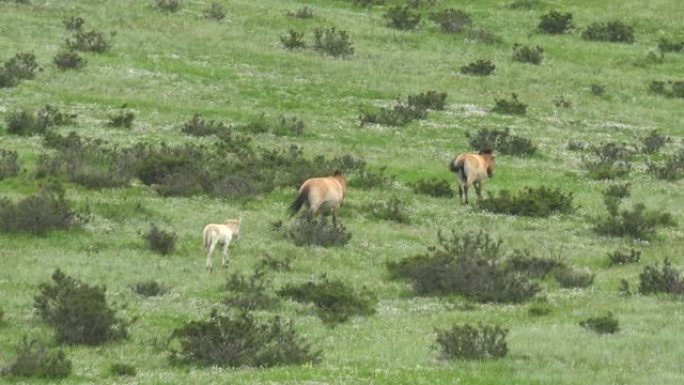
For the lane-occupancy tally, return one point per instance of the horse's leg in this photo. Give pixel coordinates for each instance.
(478, 189)
(460, 193)
(465, 192)
(224, 256)
(210, 264)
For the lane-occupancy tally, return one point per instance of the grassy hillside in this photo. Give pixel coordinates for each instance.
(168, 66)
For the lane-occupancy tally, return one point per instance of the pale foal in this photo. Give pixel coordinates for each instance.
(220, 233)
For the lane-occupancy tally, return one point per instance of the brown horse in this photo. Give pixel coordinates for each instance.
(473, 169)
(321, 193)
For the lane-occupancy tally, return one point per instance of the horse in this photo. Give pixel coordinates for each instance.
(321, 193)
(214, 234)
(473, 169)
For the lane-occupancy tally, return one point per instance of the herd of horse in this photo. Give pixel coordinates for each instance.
(327, 193)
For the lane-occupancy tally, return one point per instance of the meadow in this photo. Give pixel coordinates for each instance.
(167, 66)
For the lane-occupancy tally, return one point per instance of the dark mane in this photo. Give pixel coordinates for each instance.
(486, 151)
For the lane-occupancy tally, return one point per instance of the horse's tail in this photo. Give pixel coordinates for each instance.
(457, 167)
(299, 202)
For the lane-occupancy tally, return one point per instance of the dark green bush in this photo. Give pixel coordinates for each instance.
(510, 107)
(293, 40)
(168, 5)
(402, 17)
(123, 370)
(23, 123)
(392, 209)
(619, 257)
(302, 13)
(335, 301)
(598, 89)
(667, 45)
(249, 292)
(533, 267)
(666, 280)
(78, 312)
(577, 145)
(606, 324)
(431, 100)
(568, 277)
(317, 232)
(617, 190)
(480, 35)
(239, 341)
(525, 4)
(472, 265)
(35, 360)
(367, 3)
(214, 11)
(653, 142)
(469, 342)
(199, 126)
(562, 102)
(672, 167)
(611, 31)
(670, 88)
(399, 115)
(9, 163)
(269, 262)
(160, 241)
(434, 187)
(123, 118)
(501, 141)
(65, 60)
(22, 66)
(149, 288)
(452, 20)
(539, 309)
(637, 222)
(610, 160)
(555, 22)
(333, 42)
(286, 126)
(73, 23)
(369, 179)
(525, 54)
(90, 41)
(37, 214)
(531, 202)
(480, 67)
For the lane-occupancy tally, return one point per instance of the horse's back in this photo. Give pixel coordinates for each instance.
(468, 165)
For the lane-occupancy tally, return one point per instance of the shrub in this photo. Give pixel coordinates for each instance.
(402, 17)
(539, 309)
(452, 20)
(302, 13)
(672, 169)
(214, 11)
(434, 187)
(501, 141)
(368, 179)
(670, 88)
(333, 42)
(468, 264)
(561, 102)
(479, 68)
(9, 163)
(610, 160)
(7, 80)
(666, 280)
(606, 324)
(389, 210)
(570, 278)
(123, 118)
(480, 35)
(367, 3)
(249, 293)
(431, 100)
(611, 31)
(653, 142)
(123, 370)
(598, 89)
(293, 40)
(65, 60)
(577, 145)
(22, 123)
(335, 301)
(73, 23)
(667, 45)
(531, 202)
(22, 66)
(78, 312)
(399, 115)
(90, 41)
(37, 214)
(199, 126)
(619, 257)
(525, 54)
(317, 232)
(533, 267)
(511, 107)
(168, 5)
(35, 360)
(638, 222)
(285, 126)
(160, 241)
(238, 341)
(618, 190)
(49, 116)
(525, 4)
(274, 263)
(469, 342)
(555, 22)
(149, 288)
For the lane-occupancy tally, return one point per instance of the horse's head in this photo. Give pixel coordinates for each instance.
(342, 179)
(490, 161)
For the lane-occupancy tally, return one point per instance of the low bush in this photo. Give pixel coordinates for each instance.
(637, 222)
(539, 309)
(501, 140)
(123, 370)
(214, 11)
(249, 292)
(35, 360)
(26, 122)
(555, 22)
(606, 324)
(480, 67)
(22, 66)
(435, 187)
(293, 40)
(653, 142)
(526, 4)
(533, 267)
(617, 190)
(392, 209)
(667, 280)
(9, 163)
(568, 277)
(671, 169)
(611, 31)
(452, 20)
(90, 41)
(333, 42)
(468, 264)
(480, 35)
(78, 312)
(431, 100)
(670, 88)
(149, 288)
(237, 341)
(667, 45)
(122, 118)
(577, 145)
(73, 23)
(402, 17)
(470, 342)
(510, 107)
(160, 241)
(198, 126)
(531, 202)
(269, 262)
(525, 54)
(598, 89)
(368, 179)
(335, 301)
(562, 102)
(168, 5)
(302, 13)
(317, 232)
(288, 125)
(39, 213)
(620, 257)
(65, 60)
(610, 160)
(399, 115)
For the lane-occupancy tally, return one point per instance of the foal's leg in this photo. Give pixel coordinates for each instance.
(210, 264)
(224, 256)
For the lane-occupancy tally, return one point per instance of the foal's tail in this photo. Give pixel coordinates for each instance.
(457, 166)
(299, 202)
(206, 236)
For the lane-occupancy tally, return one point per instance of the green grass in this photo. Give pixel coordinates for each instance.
(168, 67)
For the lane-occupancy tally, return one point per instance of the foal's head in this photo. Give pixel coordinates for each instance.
(490, 161)
(234, 226)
